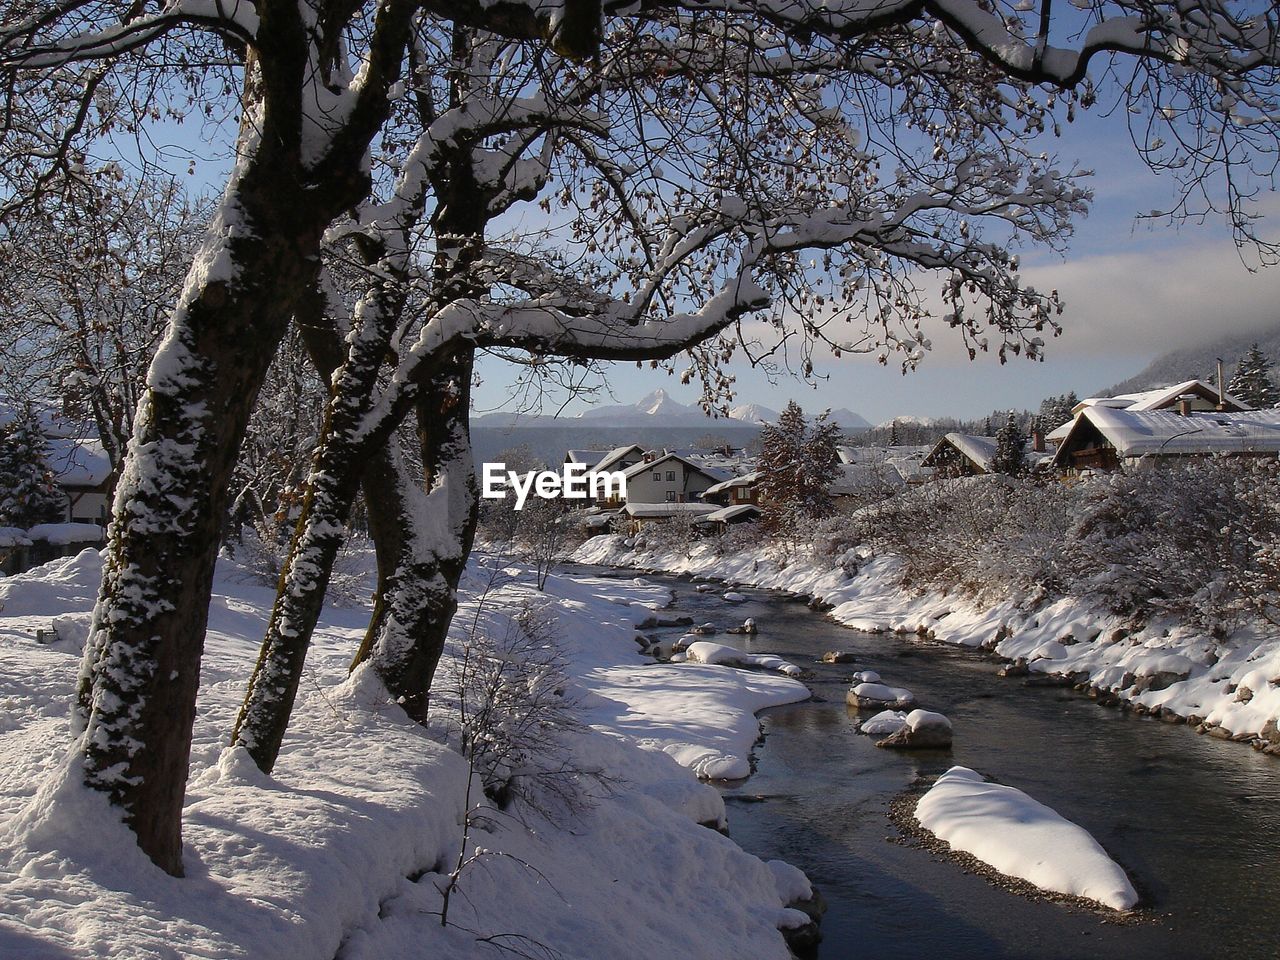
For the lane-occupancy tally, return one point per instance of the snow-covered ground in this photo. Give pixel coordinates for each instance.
(343, 851)
(1228, 687)
(1021, 837)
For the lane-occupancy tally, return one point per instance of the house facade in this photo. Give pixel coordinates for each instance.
(1106, 438)
(668, 478)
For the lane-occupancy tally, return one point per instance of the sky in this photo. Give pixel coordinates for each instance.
(1132, 289)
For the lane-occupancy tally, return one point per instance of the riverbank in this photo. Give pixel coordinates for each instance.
(1225, 687)
(346, 849)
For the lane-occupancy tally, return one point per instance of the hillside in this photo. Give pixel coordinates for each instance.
(1199, 361)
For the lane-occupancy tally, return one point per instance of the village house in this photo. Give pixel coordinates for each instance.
(736, 490)
(967, 455)
(1192, 396)
(1107, 438)
(668, 478)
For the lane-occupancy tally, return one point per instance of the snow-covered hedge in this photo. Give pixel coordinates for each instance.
(1197, 541)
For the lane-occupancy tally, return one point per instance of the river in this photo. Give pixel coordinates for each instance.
(1194, 820)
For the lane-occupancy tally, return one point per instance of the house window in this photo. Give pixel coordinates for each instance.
(671, 496)
(657, 476)
(671, 475)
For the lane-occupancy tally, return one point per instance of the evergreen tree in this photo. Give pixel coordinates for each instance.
(799, 463)
(28, 495)
(1253, 382)
(1011, 456)
(893, 434)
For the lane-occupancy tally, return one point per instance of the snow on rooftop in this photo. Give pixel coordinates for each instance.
(589, 457)
(78, 462)
(1136, 433)
(745, 480)
(1161, 398)
(655, 510)
(730, 513)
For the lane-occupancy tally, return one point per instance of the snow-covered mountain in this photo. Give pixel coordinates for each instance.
(846, 419)
(753, 413)
(658, 409)
(658, 406)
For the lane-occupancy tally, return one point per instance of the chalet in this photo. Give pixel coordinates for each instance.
(669, 478)
(961, 455)
(620, 458)
(1194, 396)
(735, 491)
(1109, 438)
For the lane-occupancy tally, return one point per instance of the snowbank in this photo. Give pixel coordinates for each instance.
(704, 651)
(1020, 837)
(1229, 687)
(346, 846)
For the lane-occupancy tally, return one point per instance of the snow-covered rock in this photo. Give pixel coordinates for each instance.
(884, 723)
(1021, 837)
(866, 696)
(735, 597)
(920, 730)
(865, 676)
(704, 651)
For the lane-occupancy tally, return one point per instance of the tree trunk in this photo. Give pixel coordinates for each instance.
(346, 443)
(141, 669)
(428, 539)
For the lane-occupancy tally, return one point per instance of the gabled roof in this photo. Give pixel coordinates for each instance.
(1138, 433)
(642, 466)
(746, 480)
(979, 450)
(617, 453)
(1059, 432)
(78, 463)
(725, 514)
(589, 457)
(654, 510)
(854, 478)
(1163, 398)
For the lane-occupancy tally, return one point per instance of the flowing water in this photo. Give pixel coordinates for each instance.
(1195, 821)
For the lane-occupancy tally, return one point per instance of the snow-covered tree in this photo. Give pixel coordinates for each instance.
(1253, 382)
(799, 462)
(28, 494)
(86, 288)
(673, 132)
(1011, 455)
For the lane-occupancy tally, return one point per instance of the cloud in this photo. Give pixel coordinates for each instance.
(1152, 301)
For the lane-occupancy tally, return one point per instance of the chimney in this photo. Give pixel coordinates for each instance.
(1222, 390)
(1184, 405)
(1037, 439)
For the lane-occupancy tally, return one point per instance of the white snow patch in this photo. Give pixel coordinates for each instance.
(1020, 837)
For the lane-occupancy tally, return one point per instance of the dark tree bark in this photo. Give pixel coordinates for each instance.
(424, 539)
(138, 684)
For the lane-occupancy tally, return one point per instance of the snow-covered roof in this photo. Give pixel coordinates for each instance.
(1162, 398)
(1059, 433)
(78, 463)
(657, 510)
(1137, 433)
(880, 454)
(589, 457)
(981, 450)
(726, 514)
(642, 466)
(745, 480)
(617, 453)
(853, 478)
(67, 533)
